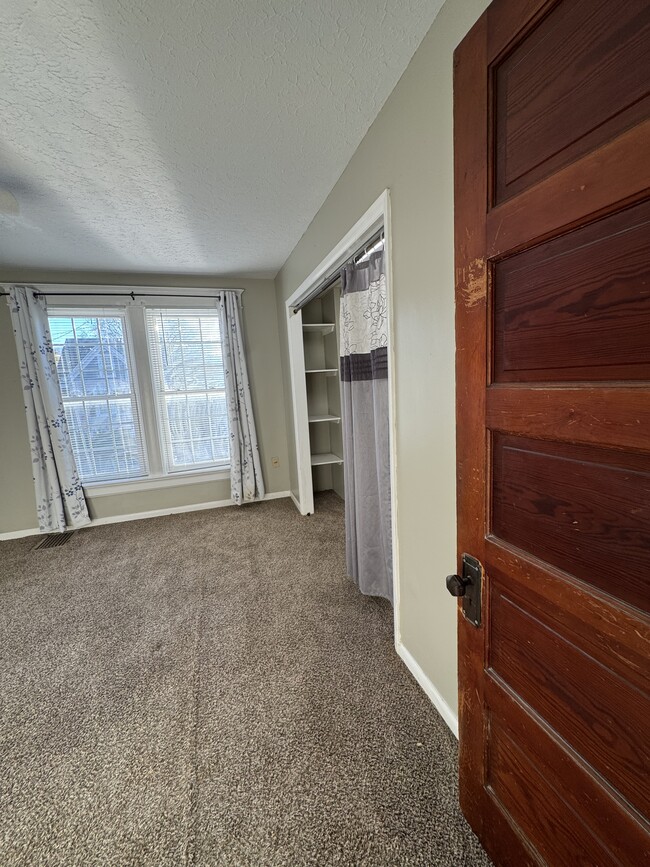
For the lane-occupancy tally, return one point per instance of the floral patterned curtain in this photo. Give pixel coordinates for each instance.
(246, 482)
(60, 500)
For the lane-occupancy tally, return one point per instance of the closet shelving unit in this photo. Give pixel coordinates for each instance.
(321, 351)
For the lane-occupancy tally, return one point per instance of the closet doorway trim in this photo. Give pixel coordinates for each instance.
(376, 217)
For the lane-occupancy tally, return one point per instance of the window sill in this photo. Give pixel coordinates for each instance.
(154, 483)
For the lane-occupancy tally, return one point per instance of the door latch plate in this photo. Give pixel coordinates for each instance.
(472, 577)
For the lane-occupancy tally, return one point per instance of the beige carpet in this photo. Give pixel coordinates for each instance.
(210, 689)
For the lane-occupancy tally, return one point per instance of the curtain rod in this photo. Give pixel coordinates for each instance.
(325, 284)
(131, 295)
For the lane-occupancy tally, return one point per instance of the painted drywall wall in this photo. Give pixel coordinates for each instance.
(17, 504)
(409, 149)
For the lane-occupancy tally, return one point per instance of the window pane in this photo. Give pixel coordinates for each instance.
(171, 328)
(117, 369)
(172, 366)
(111, 329)
(210, 328)
(61, 329)
(182, 453)
(219, 426)
(203, 450)
(97, 388)
(179, 424)
(213, 365)
(86, 328)
(91, 372)
(188, 382)
(194, 367)
(190, 328)
(199, 418)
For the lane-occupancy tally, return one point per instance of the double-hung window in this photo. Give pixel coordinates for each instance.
(189, 388)
(96, 376)
(143, 390)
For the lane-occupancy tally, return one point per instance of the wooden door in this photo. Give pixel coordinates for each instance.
(552, 223)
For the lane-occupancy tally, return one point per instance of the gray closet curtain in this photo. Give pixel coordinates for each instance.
(366, 446)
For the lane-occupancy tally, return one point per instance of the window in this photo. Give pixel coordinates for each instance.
(144, 408)
(188, 377)
(97, 387)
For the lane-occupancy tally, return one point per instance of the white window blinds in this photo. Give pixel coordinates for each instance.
(189, 388)
(96, 376)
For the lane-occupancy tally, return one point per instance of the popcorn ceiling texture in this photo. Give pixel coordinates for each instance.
(187, 137)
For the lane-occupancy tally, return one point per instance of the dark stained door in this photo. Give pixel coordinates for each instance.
(552, 191)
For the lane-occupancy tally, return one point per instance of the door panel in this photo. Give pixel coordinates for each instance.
(596, 712)
(562, 315)
(569, 788)
(552, 222)
(564, 834)
(616, 635)
(574, 82)
(583, 509)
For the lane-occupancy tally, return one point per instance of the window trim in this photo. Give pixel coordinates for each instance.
(157, 475)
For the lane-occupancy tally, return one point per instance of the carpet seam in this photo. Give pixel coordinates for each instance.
(190, 841)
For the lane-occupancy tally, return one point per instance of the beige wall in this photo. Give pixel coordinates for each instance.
(17, 505)
(409, 149)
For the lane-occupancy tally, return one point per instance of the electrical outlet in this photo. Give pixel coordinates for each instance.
(275, 462)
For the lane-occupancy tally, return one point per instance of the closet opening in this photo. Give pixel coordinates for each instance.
(340, 352)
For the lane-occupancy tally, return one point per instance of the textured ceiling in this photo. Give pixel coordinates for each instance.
(174, 136)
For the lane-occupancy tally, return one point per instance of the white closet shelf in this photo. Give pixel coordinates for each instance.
(327, 458)
(316, 418)
(328, 371)
(320, 327)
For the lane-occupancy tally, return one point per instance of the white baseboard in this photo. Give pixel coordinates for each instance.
(437, 700)
(18, 534)
(139, 516)
(295, 500)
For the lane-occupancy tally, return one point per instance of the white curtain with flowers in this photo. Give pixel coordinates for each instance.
(246, 482)
(60, 500)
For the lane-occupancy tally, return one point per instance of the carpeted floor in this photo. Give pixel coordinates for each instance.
(210, 689)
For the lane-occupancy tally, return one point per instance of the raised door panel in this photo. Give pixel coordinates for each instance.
(582, 509)
(578, 79)
(577, 308)
(553, 797)
(556, 831)
(598, 714)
